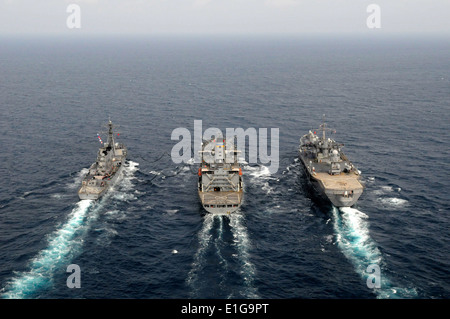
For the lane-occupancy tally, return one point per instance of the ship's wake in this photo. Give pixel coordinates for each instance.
(261, 177)
(77, 178)
(353, 238)
(200, 257)
(242, 244)
(223, 250)
(63, 245)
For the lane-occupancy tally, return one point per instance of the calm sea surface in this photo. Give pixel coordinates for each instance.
(387, 98)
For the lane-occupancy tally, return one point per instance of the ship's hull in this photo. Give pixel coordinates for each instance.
(94, 193)
(89, 196)
(220, 203)
(336, 197)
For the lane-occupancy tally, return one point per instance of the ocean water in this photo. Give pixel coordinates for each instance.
(387, 98)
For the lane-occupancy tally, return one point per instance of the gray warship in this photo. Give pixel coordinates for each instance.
(106, 170)
(220, 182)
(329, 170)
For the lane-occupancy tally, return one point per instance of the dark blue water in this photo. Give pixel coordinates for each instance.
(388, 99)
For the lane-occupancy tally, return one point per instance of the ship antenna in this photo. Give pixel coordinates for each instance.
(111, 135)
(323, 126)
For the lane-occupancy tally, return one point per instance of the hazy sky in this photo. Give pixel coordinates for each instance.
(223, 16)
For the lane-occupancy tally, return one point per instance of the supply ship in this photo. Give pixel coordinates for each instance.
(220, 182)
(332, 175)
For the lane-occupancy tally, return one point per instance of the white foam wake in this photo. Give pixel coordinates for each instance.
(394, 202)
(123, 189)
(62, 244)
(353, 238)
(243, 245)
(78, 178)
(260, 175)
(204, 238)
(218, 242)
(388, 196)
(211, 236)
(128, 175)
(132, 167)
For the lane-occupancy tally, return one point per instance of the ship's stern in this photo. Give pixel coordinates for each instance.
(221, 203)
(344, 199)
